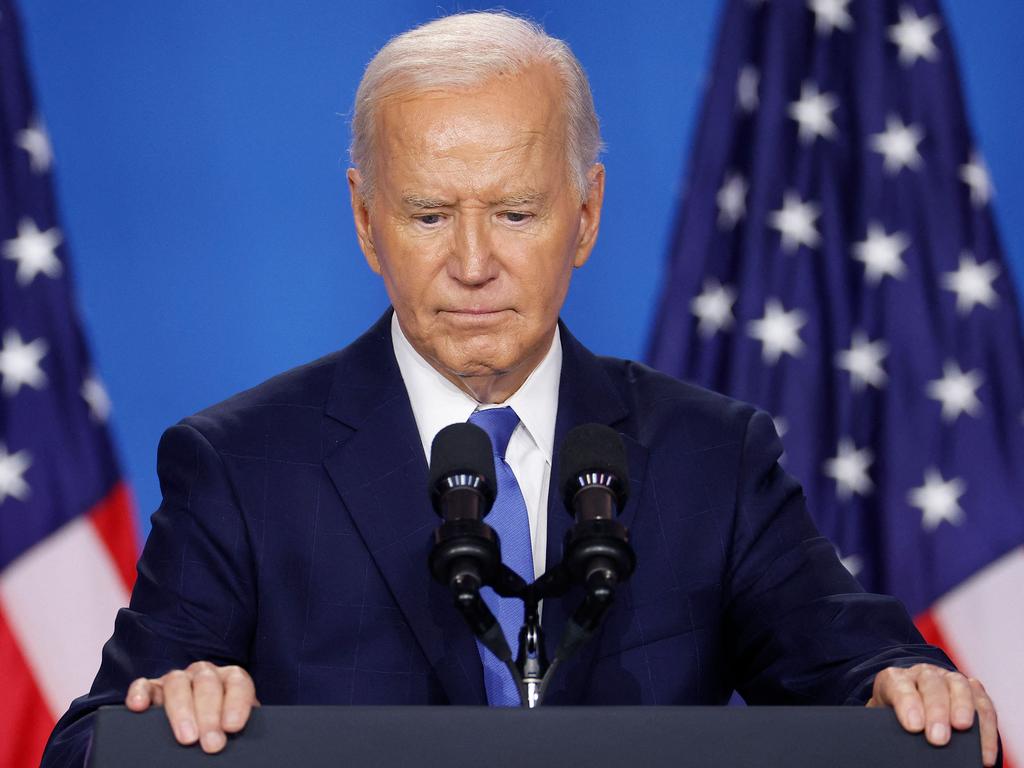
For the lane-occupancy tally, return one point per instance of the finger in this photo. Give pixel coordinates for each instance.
(961, 701)
(179, 706)
(208, 694)
(138, 697)
(239, 698)
(895, 688)
(987, 723)
(932, 684)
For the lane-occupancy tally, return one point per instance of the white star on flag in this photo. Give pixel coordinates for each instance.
(881, 253)
(864, 361)
(913, 34)
(35, 141)
(975, 175)
(778, 331)
(19, 363)
(34, 252)
(813, 111)
(829, 15)
(849, 468)
(96, 396)
(732, 201)
(898, 143)
(957, 391)
(938, 499)
(795, 220)
(714, 307)
(972, 283)
(12, 469)
(746, 88)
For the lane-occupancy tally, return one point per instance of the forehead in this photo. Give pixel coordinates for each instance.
(510, 129)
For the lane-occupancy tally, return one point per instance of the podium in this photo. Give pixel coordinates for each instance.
(592, 737)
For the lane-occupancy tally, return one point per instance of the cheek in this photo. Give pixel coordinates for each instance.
(410, 272)
(545, 282)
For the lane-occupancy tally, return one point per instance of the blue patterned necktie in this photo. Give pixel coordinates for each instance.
(509, 519)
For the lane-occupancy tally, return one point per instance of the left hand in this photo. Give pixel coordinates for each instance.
(931, 699)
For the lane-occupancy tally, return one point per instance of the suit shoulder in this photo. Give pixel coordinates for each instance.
(658, 401)
(289, 402)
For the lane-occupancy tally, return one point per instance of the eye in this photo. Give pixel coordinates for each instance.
(429, 219)
(517, 217)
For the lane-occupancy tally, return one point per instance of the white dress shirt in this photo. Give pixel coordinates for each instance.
(436, 403)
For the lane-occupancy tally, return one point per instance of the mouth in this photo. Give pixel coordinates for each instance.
(474, 313)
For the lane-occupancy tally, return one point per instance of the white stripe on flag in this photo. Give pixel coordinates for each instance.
(60, 598)
(983, 623)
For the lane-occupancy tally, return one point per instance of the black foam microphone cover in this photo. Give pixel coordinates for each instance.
(462, 449)
(593, 449)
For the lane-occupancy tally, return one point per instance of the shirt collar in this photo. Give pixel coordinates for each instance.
(436, 402)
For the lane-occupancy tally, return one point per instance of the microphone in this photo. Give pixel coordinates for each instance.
(594, 478)
(462, 484)
(462, 481)
(594, 474)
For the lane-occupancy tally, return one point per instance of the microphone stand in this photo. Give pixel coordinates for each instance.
(599, 555)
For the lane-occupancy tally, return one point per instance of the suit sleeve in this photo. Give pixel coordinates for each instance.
(194, 597)
(801, 629)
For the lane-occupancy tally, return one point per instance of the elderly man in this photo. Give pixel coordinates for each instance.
(288, 558)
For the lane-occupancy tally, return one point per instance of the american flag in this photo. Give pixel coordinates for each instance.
(67, 534)
(835, 261)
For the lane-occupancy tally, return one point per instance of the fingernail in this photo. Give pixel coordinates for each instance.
(963, 716)
(988, 757)
(232, 719)
(938, 733)
(213, 741)
(916, 719)
(187, 731)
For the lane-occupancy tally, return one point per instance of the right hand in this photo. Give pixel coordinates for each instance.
(203, 702)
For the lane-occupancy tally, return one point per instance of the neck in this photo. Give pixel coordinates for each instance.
(493, 389)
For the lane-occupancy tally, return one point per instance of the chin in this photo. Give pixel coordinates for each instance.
(471, 363)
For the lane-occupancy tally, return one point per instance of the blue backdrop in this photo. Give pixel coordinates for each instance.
(201, 149)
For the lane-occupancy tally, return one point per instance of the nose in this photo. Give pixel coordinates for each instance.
(472, 261)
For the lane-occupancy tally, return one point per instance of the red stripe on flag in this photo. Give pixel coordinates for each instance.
(25, 721)
(113, 517)
(932, 633)
(931, 630)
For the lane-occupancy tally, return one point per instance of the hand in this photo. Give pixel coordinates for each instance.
(202, 702)
(929, 698)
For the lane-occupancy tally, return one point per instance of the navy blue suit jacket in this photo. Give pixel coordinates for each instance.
(295, 524)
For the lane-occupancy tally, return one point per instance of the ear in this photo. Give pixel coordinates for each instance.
(590, 215)
(361, 217)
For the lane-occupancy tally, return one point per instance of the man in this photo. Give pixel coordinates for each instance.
(288, 558)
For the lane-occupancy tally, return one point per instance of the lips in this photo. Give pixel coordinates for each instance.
(475, 311)
(474, 314)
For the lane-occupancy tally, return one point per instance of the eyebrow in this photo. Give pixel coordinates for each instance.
(522, 199)
(413, 200)
(421, 202)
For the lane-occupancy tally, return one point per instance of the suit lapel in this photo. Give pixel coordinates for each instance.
(381, 475)
(585, 395)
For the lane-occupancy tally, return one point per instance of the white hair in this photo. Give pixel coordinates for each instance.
(461, 52)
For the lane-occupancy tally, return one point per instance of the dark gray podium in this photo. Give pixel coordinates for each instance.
(589, 737)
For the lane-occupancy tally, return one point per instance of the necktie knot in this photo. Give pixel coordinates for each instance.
(499, 424)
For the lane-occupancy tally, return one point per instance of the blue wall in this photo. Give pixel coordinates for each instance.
(201, 154)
